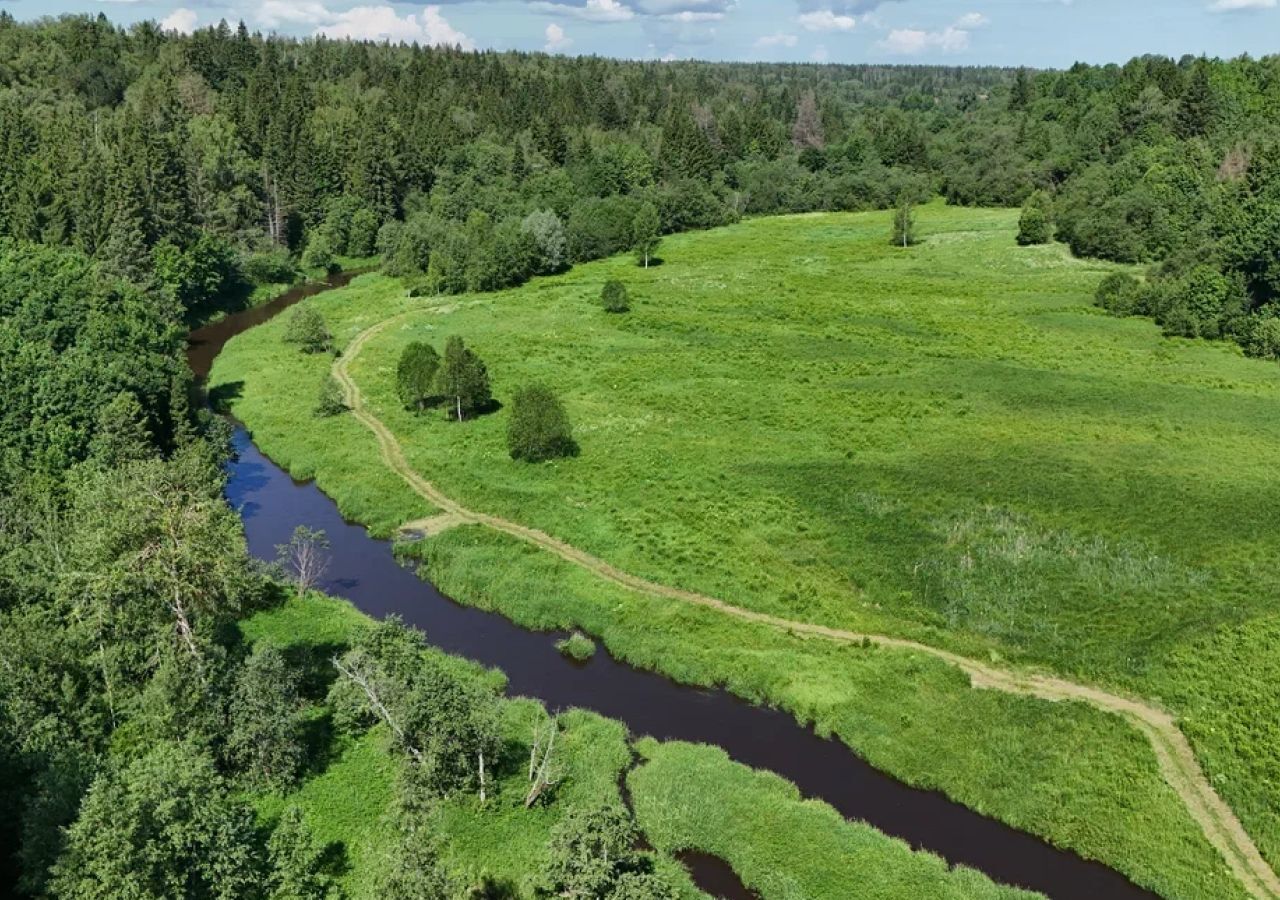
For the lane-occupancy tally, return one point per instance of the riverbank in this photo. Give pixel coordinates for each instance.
(1081, 778)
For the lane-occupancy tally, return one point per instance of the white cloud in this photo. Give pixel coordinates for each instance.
(781, 39)
(382, 23)
(592, 11)
(275, 13)
(557, 40)
(181, 19)
(826, 20)
(1240, 5)
(952, 39)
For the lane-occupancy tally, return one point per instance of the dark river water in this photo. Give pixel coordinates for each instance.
(365, 571)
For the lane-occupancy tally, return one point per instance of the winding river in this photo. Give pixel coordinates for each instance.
(365, 571)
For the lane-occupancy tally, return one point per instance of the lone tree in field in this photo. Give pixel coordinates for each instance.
(463, 379)
(646, 233)
(1035, 226)
(305, 558)
(614, 297)
(307, 329)
(416, 375)
(330, 402)
(539, 429)
(904, 224)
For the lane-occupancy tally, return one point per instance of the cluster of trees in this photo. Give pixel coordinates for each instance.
(539, 427)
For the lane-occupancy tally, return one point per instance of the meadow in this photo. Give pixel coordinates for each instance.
(946, 443)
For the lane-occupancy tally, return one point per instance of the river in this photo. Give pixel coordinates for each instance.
(365, 571)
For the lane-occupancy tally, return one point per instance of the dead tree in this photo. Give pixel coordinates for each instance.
(365, 681)
(543, 773)
(305, 558)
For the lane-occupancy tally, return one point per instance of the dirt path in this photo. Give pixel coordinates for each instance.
(1177, 762)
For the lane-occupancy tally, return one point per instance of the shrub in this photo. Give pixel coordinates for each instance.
(577, 646)
(330, 402)
(904, 225)
(274, 266)
(1034, 227)
(539, 429)
(614, 297)
(307, 329)
(1119, 294)
(362, 233)
(319, 254)
(1261, 337)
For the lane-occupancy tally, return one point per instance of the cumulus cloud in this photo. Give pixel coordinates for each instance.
(363, 23)
(591, 11)
(181, 19)
(827, 20)
(842, 7)
(952, 39)
(781, 39)
(1228, 6)
(557, 40)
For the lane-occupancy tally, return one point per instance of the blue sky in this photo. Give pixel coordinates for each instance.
(954, 32)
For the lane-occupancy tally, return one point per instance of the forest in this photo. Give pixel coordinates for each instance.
(151, 181)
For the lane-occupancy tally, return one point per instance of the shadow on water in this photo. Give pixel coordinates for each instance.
(365, 571)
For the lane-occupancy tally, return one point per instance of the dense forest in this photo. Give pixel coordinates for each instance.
(148, 180)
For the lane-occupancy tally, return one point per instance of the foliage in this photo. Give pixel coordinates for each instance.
(462, 379)
(549, 238)
(265, 739)
(646, 233)
(271, 266)
(331, 401)
(614, 297)
(416, 375)
(904, 225)
(577, 646)
(1120, 294)
(539, 427)
(296, 865)
(307, 329)
(318, 253)
(162, 826)
(592, 854)
(1035, 225)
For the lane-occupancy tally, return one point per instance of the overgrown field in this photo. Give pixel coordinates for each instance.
(946, 442)
(345, 800)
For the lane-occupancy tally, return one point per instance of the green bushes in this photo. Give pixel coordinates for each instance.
(272, 266)
(577, 646)
(318, 253)
(330, 402)
(1120, 294)
(614, 297)
(306, 328)
(1035, 226)
(539, 427)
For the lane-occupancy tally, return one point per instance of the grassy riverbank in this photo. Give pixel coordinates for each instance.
(946, 443)
(346, 800)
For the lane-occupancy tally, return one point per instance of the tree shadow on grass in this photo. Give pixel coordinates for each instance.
(220, 396)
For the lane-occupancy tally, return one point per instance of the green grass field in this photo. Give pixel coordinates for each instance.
(947, 443)
(346, 799)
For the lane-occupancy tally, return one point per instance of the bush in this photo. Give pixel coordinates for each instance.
(274, 266)
(307, 329)
(577, 646)
(319, 254)
(1119, 294)
(330, 402)
(1261, 336)
(539, 429)
(614, 297)
(362, 233)
(1034, 227)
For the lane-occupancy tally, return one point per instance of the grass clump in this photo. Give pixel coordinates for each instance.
(778, 843)
(577, 646)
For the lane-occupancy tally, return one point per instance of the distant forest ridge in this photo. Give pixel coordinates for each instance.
(198, 163)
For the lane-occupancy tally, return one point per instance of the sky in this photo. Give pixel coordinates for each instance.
(1038, 33)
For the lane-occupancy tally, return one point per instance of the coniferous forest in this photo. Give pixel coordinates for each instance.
(150, 182)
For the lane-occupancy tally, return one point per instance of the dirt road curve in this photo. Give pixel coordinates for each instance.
(1177, 762)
